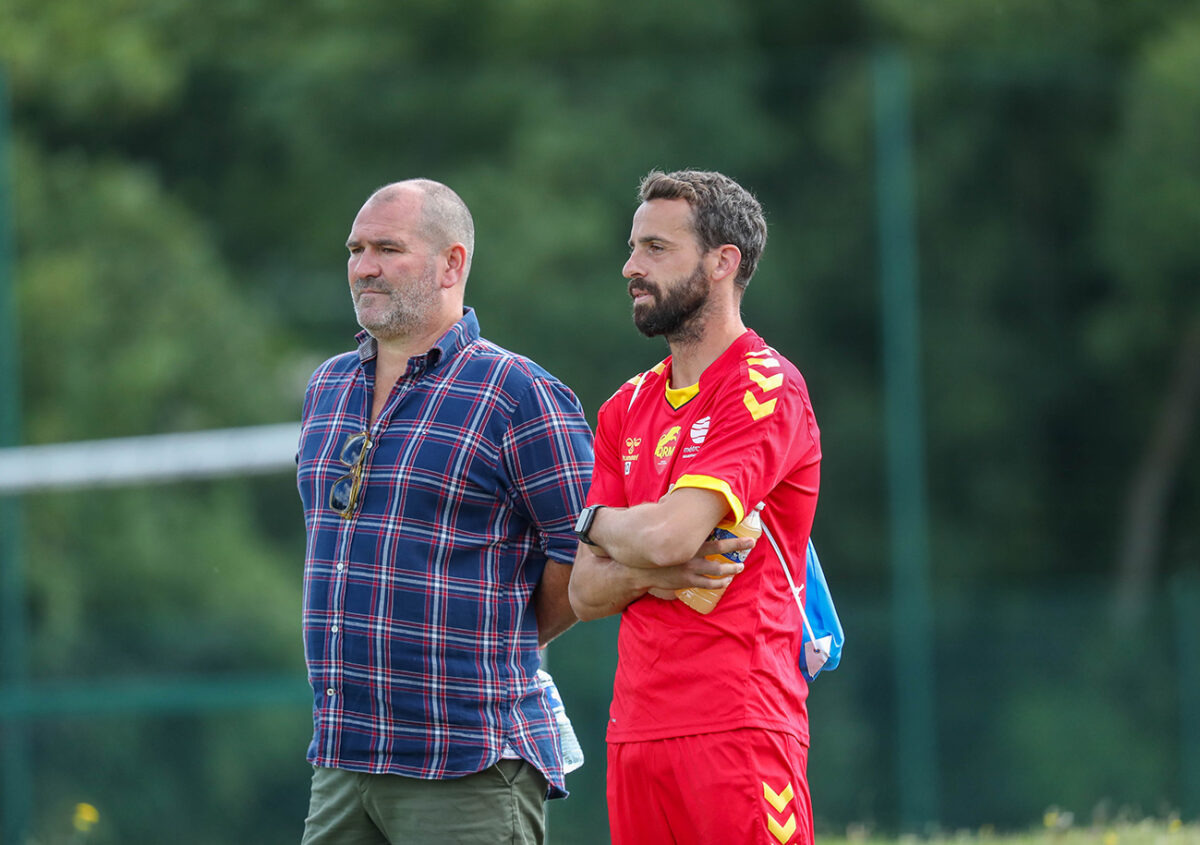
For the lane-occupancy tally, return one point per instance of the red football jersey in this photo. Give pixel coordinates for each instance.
(746, 431)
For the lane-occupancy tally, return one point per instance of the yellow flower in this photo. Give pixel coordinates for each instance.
(1111, 838)
(85, 816)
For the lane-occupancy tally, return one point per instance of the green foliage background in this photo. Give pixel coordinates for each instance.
(185, 175)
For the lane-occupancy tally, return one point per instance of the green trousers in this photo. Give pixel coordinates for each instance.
(502, 805)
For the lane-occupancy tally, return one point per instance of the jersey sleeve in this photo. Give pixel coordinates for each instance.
(608, 487)
(762, 431)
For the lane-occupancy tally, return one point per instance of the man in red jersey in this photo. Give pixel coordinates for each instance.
(708, 731)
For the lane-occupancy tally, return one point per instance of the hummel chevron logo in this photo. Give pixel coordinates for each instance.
(767, 383)
(782, 832)
(762, 359)
(779, 801)
(757, 409)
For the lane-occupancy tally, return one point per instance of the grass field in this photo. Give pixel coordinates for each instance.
(1056, 831)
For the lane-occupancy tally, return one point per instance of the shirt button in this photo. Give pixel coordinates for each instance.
(334, 629)
(341, 566)
(331, 691)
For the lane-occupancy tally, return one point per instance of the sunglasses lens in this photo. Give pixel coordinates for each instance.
(341, 496)
(353, 449)
(345, 489)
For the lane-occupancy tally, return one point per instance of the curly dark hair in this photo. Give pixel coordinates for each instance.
(723, 212)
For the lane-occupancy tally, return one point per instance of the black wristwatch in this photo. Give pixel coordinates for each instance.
(584, 523)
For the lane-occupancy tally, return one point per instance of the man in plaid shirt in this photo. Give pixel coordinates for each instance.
(440, 477)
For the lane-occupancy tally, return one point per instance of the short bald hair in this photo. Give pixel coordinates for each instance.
(445, 218)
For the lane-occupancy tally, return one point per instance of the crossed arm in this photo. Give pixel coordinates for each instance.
(655, 547)
(550, 603)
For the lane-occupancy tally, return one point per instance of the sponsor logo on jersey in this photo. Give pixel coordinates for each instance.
(666, 443)
(699, 430)
(666, 447)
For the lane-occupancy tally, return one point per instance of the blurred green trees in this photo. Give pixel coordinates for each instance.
(186, 174)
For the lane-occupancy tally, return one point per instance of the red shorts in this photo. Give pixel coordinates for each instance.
(743, 787)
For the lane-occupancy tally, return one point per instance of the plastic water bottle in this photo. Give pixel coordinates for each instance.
(572, 752)
(702, 599)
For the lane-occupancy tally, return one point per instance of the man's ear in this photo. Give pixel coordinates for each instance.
(726, 259)
(453, 264)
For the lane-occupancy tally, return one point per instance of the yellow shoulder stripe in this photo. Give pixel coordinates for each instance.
(640, 377)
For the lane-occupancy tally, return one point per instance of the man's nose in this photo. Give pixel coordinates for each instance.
(365, 265)
(631, 268)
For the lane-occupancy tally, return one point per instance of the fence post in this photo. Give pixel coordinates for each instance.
(15, 774)
(1185, 599)
(912, 613)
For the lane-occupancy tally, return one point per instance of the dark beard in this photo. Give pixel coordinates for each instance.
(673, 314)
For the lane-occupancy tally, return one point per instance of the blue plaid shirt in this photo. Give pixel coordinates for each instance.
(419, 630)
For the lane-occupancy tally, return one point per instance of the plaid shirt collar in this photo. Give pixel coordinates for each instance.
(461, 335)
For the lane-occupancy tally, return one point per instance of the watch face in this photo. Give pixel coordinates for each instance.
(584, 521)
